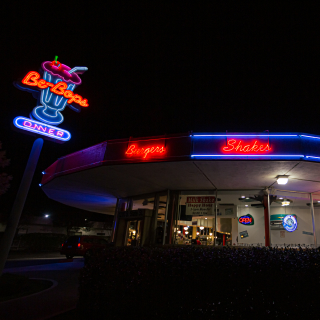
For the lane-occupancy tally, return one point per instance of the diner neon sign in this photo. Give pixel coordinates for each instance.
(42, 128)
(133, 150)
(237, 146)
(246, 220)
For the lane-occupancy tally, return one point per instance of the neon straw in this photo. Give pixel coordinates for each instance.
(78, 69)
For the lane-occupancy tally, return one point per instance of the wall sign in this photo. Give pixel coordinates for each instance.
(239, 146)
(196, 205)
(289, 222)
(243, 234)
(134, 150)
(246, 220)
(54, 90)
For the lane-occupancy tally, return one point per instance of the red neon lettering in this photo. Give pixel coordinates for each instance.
(36, 127)
(237, 146)
(31, 79)
(27, 125)
(133, 150)
(42, 84)
(84, 103)
(60, 133)
(50, 131)
(76, 98)
(59, 88)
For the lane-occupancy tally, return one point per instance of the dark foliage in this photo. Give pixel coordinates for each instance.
(194, 282)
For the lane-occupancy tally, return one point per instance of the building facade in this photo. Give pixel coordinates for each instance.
(208, 188)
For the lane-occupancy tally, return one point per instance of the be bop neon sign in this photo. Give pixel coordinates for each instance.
(54, 91)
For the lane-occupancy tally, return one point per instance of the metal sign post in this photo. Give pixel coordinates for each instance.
(18, 205)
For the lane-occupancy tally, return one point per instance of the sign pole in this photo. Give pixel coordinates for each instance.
(18, 205)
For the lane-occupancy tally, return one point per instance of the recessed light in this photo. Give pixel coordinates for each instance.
(282, 179)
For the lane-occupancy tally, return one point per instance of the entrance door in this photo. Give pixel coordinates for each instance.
(133, 233)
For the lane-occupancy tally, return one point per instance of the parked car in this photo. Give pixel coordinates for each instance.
(79, 245)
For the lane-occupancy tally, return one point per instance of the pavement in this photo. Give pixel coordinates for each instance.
(61, 297)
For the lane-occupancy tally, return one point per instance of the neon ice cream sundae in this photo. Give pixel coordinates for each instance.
(57, 86)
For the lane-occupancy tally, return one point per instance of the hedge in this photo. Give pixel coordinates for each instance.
(192, 282)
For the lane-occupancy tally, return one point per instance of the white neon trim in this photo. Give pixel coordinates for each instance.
(246, 155)
(312, 157)
(245, 135)
(15, 122)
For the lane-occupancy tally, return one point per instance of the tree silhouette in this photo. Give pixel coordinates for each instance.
(4, 177)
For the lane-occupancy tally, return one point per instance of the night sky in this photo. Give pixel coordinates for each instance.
(157, 68)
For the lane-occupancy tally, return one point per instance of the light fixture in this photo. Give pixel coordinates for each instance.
(243, 197)
(282, 179)
(186, 232)
(285, 202)
(210, 234)
(185, 228)
(46, 216)
(246, 205)
(198, 233)
(201, 228)
(280, 198)
(43, 172)
(179, 231)
(206, 218)
(134, 232)
(40, 184)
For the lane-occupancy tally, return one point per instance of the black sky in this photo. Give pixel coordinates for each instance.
(160, 67)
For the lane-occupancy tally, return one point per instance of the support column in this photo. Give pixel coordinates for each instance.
(313, 221)
(224, 240)
(266, 204)
(18, 205)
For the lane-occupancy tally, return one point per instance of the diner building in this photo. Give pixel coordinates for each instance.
(198, 188)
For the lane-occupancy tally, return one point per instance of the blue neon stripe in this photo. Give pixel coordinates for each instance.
(310, 137)
(245, 155)
(245, 135)
(312, 157)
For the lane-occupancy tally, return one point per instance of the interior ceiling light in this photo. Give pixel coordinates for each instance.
(282, 179)
(201, 228)
(284, 201)
(185, 228)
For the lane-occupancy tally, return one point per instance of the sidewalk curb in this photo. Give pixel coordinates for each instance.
(54, 284)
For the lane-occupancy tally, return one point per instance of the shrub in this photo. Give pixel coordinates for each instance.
(185, 282)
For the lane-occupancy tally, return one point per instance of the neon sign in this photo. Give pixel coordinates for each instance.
(41, 128)
(54, 91)
(290, 223)
(247, 220)
(240, 147)
(133, 150)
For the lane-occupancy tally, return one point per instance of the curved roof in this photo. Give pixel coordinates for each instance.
(93, 178)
